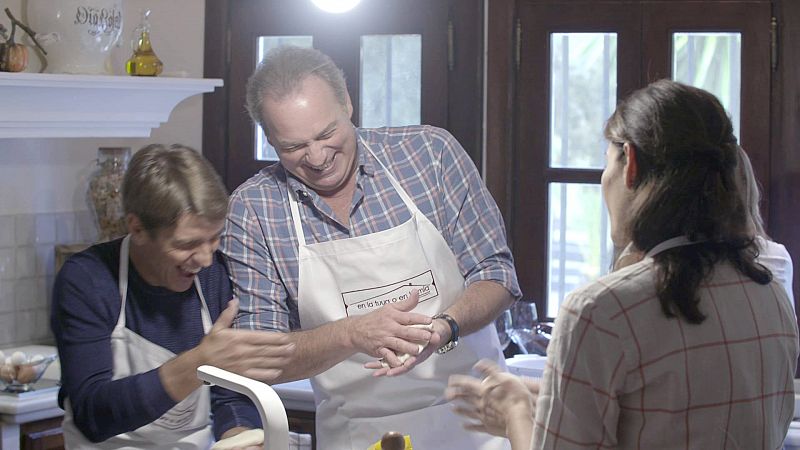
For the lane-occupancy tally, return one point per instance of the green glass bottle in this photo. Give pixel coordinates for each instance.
(144, 62)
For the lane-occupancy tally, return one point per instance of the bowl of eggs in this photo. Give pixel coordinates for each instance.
(18, 372)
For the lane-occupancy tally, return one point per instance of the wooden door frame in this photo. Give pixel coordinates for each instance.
(215, 104)
(500, 92)
(784, 158)
(754, 134)
(532, 169)
(464, 111)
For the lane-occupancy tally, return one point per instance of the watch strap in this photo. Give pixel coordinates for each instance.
(454, 330)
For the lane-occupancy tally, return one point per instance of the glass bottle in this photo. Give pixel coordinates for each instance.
(144, 62)
(105, 186)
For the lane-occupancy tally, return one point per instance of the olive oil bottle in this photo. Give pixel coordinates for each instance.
(144, 62)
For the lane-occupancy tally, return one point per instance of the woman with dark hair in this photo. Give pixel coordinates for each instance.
(693, 345)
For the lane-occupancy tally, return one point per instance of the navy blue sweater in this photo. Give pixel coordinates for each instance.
(86, 306)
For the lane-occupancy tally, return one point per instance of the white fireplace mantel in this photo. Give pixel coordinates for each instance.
(40, 105)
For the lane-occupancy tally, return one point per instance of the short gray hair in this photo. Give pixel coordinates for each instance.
(164, 183)
(283, 71)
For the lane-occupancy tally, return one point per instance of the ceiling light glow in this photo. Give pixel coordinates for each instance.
(336, 6)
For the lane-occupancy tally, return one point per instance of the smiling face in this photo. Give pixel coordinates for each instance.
(313, 136)
(616, 194)
(172, 257)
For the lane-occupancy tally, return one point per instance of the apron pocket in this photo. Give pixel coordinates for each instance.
(433, 427)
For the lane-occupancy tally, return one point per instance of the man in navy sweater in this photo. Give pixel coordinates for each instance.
(134, 318)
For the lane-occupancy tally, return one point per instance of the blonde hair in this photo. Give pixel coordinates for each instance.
(164, 183)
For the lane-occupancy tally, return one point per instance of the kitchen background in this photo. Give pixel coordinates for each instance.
(43, 182)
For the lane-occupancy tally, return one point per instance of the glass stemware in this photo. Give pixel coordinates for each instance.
(524, 329)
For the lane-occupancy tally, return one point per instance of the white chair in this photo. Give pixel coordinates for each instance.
(270, 406)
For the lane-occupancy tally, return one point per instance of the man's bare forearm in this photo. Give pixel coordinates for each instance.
(317, 350)
(479, 305)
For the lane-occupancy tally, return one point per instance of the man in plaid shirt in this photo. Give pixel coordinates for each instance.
(692, 345)
(374, 249)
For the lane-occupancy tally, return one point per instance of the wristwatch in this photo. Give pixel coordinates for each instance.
(451, 344)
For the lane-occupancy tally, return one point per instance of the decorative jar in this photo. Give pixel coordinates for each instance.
(105, 191)
(77, 34)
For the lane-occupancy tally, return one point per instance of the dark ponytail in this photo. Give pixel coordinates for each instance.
(685, 186)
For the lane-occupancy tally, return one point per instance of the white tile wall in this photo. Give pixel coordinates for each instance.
(27, 270)
(6, 231)
(7, 295)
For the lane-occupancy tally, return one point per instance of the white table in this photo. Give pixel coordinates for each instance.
(296, 395)
(16, 410)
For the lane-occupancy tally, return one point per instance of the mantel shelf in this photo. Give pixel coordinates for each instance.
(40, 105)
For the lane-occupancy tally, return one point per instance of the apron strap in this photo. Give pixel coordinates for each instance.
(123, 279)
(396, 184)
(205, 316)
(298, 225)
(679, 241)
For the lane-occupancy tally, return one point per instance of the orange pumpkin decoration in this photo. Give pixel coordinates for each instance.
(13, 57)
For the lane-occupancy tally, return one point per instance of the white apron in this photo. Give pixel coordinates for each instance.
(357, 275)
(187, 426)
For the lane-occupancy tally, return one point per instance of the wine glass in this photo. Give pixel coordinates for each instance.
(524, 329)
(503, 325)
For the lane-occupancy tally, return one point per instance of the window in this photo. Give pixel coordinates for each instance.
(263, 150)
(577, 58)
(391, 80)
(583, 92)
(711, 61)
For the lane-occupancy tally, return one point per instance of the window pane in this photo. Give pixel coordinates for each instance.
(711, 61)
(579, 247)
(583, 94)
(391, 80)
(264, 151)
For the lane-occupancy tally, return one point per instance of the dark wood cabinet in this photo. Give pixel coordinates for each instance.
(303, 422)
(47, 434)
(41, 435)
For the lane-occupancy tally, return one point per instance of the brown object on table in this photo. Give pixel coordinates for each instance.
(393, 441)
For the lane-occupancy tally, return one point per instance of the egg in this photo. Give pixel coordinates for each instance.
(19, 358)
(36, 359)
(7, 373)
(26, 374)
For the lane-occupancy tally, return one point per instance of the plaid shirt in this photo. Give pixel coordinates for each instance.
(622, 375)
(261, 246)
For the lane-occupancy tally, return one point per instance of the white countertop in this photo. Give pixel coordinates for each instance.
(33, 405)
(296, 395)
